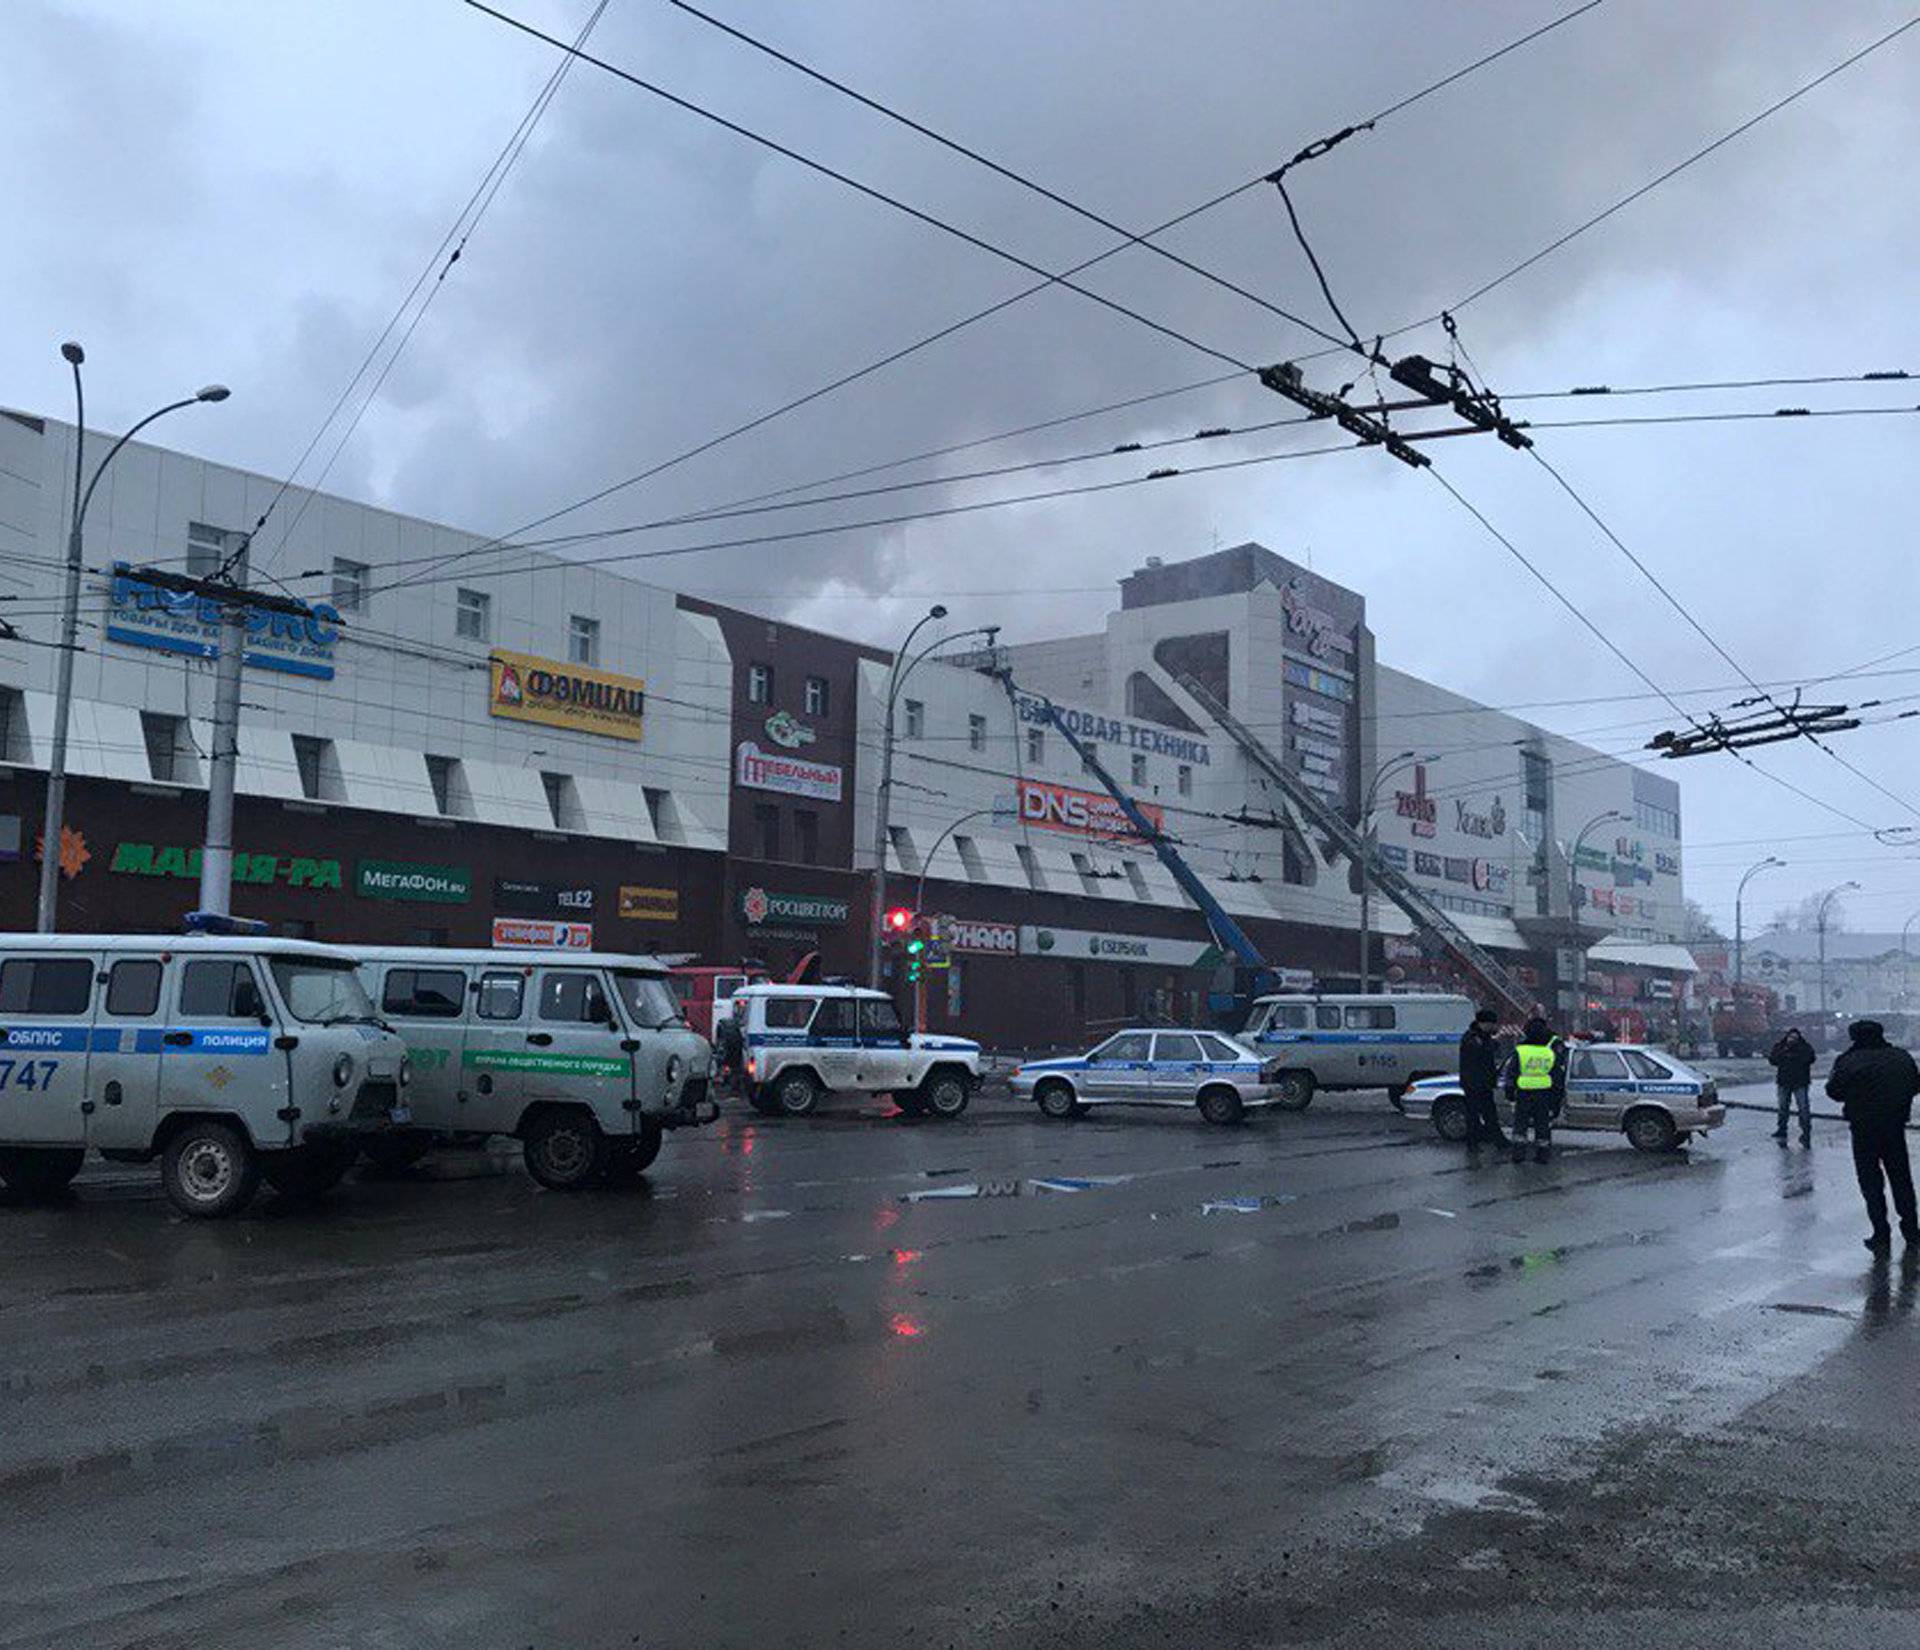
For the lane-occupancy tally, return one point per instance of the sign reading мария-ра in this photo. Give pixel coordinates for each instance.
(143, 615)
(529, 689)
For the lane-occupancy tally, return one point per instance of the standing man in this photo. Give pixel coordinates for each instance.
(1536, 1083)
(1792, 1062)
(1875, 1084)
(1479, 1077)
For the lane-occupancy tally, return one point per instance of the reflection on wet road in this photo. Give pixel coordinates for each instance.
(856, 1379)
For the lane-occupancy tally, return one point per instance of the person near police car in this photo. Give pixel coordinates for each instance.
(1536, 1083)
(1875, 1084)
(1480, 1078)
(1792, 1062)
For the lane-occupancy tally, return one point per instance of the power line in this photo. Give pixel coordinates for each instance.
(853, 376)
(470, 215)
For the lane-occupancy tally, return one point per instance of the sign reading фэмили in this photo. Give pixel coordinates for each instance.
(525, 688)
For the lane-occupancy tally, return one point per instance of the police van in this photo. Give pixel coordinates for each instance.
(582, 1056)
(1355, 1042)
(804, 1042)
(228, 1059)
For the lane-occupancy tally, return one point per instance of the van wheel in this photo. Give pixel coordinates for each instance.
(306, 1171)
(209, 1170)
(1056, 1100)
(395, 1152)
(944, 1093)
(796, 1093)
(1450, 1119)
(565, 1150)
(628, 1160)
(1649, 1130)
(1219, 1105)
(40, 1173)
(1294, 1092)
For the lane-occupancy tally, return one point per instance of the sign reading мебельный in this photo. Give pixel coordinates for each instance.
(1077, 945)
(761, 770)
(429, 884)
(1087, 813)
(529, 689)
(143, 615)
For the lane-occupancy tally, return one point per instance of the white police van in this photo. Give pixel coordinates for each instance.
(583, 1056)
(1355, 1042)
(807, 1041)
(226, 1058)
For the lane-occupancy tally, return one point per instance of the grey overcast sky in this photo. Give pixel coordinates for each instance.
(244, 191)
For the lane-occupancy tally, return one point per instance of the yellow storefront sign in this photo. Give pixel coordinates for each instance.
(529, 689)
(650, 904)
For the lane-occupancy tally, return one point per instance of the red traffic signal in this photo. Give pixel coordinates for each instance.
(898, 919)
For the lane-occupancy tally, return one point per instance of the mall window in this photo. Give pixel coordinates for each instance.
(1139, 770)
(563, 802)
(14, 743)
(1036, 744)
(207, 549)
(451, 795)
(766, 830)
(816, 699)
(318, 767)
(165, 735)
(351, 583)
(1655, 820)
(976, 733)
(472, 615)
(1185, 777)
(916, 719)
(1089, 754)
(806, 836)
(759, 684)
(583, 640)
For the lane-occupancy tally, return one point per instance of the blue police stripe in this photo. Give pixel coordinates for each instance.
(68, 1039)
(1358, 1037)
(203, 1040)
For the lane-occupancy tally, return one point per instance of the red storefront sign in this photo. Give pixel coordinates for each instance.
(1085, 813)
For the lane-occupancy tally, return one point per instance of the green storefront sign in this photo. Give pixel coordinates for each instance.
(396, 879)
(146, 859)
(759, 906)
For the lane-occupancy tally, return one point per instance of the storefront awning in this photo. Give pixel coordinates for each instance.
(1676, 959)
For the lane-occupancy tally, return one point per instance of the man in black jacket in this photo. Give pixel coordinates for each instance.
(1479, 1075)
(1792, 1062)
(1875, 1084)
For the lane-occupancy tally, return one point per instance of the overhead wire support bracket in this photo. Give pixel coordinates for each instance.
(1482, 410)
(1286, 379)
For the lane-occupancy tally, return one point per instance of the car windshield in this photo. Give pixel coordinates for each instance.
(649, 1000)
(321, 993)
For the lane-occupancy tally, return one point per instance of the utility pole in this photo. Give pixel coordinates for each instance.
(235, 600)
(54, 817)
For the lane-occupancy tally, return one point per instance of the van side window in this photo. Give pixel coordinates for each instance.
(725, 985)
(574, 999)
(46, 985)
(1288, 1017)
(218, 991)
(789, 1013)
(133, 989)
(1326, 1018)
(501, 996)
(1369, 1017)
(424, 993)
(836, 1018)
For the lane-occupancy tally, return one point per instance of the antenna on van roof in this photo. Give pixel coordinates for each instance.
(218, 922)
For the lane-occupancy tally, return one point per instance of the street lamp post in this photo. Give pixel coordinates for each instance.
(1392, 765)
(1573, 905)
(881, 796)
(1739, 913)
(939, 842)
(53, 820)
(1906, 961)
(1826, 901)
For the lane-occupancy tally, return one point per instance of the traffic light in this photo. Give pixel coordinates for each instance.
(898, 919)
(917, 943)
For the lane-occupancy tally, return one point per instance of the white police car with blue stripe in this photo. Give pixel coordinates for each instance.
(1150, 1066)
(804, 1042)
(1655, 1099)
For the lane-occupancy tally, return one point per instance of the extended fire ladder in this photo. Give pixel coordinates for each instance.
(1427, 918)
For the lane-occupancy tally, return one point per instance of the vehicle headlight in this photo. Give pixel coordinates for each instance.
(406, 1070)
(673, 1068)
(343, 1071)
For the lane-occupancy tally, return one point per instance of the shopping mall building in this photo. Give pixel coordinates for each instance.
(470, 746)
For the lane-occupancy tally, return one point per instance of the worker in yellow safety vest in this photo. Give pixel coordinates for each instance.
(1536, 1084)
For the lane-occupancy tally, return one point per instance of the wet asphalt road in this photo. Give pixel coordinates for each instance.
(769, 1400)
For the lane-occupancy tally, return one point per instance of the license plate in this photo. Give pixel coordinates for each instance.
(399, 1114)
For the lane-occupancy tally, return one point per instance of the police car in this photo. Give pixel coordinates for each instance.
(1150, 1067)
(804, 1042)
(1655, 1100)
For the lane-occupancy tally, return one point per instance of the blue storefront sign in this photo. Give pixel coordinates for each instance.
(143, 615)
